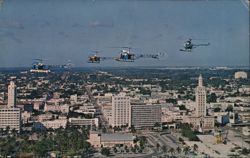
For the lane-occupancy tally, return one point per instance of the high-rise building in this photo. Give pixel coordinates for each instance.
(120, 110)
(200, 120)
(201, 101)
(145, 116)
(12, 94)
(10, 117)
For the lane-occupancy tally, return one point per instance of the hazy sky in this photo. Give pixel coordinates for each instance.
(58, 30)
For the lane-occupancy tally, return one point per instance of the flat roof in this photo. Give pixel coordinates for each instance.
(117, 137)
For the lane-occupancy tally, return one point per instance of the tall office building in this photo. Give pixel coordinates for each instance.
(199, 119)
(201, 99)
(120, 110)
(10, 117)
(12, 94)
(145, 116)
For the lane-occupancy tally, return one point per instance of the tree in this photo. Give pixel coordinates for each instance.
(171, 150)
(14, 132)
(7, 130)
(1, 131)
(104, 130)
(173, 101)
(140, 150)
(195, 147)
(114, 149)
(229, 108)
(180, 139)
(186, 149)
(133, 150)
(182, 107)
(126, 149)
(117, 128)
(164, 148)
(136, 147)
(212, 98)
(158, 146)
(217, 109)
(186, 131)
(42, 147)
(105, 151)
(178, 149)
(132, 129)
(245, 151)
(157, 124)
(142, 141)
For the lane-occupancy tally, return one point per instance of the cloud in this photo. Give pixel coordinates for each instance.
(45, 24)
(11, 25)
(10, 35)
(76, 25)
(94, 24)
(97, 23)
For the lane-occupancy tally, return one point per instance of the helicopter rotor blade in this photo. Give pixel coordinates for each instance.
(203, 44)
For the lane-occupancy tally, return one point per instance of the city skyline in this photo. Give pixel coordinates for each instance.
(148, 113)
(58, 31)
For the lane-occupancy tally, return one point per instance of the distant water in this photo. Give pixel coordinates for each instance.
(139, 68)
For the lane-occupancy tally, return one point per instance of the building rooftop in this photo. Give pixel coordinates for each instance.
(117, 137)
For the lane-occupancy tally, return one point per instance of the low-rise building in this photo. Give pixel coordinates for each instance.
(88, 109)
(240, 74)
(54, 124)
(246, 131)
(83, 122)
(56, 108)
(109, 140)
(107, 112)
(44, 117)
(26, 116)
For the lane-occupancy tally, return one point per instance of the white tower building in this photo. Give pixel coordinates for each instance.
(11, 94)
(200, 120)
(201, 99)
(10, 116)
(121, 110)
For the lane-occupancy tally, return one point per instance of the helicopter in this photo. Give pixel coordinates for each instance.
(127, 56)
(154, 56)
(39, 67)
(189, 46)
(96, 58)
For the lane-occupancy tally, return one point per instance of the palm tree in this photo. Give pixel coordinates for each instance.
(126, 149)
(132, 129)
(178, 149)
(7, 130)
(136, 147)
(171, 150)
(114, 149)
(195, 147)
(164, 148)
(1, 131)
(186, 149)
(158, 146)
(14, 132)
